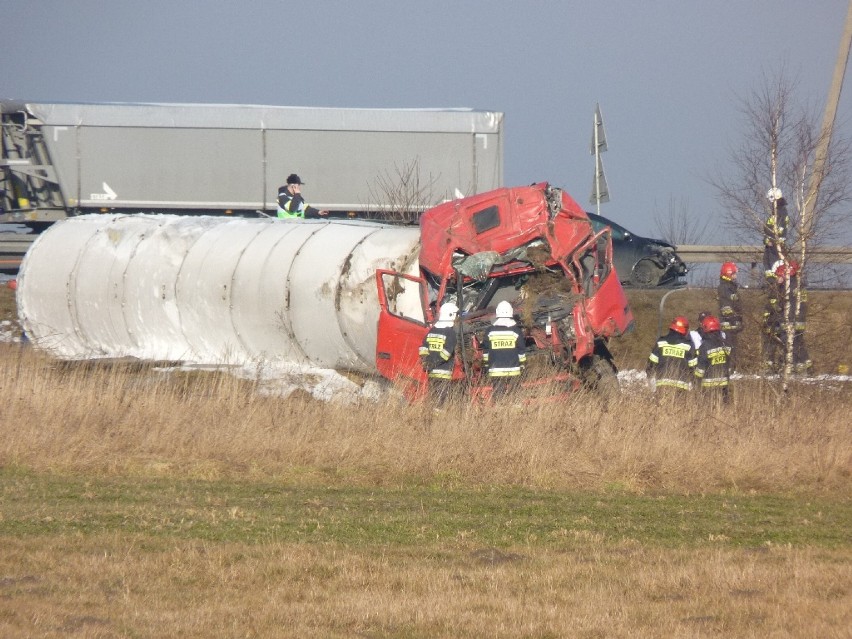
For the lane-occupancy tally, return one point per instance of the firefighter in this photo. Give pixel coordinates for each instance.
(673, 358)
(291, 204)
(714, 360)
(504, 351)
(774, 231)
(730, 307)
(773, 319)
(696, 335)
(437, 354)
(797, 316)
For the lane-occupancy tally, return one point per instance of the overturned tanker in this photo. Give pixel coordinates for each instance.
(210, 290)
(334, 294)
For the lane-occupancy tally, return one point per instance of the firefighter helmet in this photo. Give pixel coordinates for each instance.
(448, 312)
(504, 310)
(680, 324)
(794, 268)
(781, 269)
(729, 269)
(710, 324)
(774, 194)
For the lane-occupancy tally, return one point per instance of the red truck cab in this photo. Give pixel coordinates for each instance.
(533, 246)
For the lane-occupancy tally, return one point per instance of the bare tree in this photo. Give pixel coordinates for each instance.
(405, 194)
(768, 191)
(677, 225)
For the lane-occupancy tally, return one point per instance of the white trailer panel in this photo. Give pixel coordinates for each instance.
(213, 158)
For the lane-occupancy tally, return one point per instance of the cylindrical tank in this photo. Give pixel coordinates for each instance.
(213, 290)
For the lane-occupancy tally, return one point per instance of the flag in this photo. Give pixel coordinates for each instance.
(600, 190)
(598, 133)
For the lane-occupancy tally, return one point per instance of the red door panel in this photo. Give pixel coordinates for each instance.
(399, 335)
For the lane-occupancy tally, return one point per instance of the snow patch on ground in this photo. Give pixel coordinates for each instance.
(10, 332)
(282, 379)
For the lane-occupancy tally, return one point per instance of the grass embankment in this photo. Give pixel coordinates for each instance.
(135, 503)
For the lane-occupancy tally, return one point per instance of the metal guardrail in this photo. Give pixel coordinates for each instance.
(13, 246)
(698, 253)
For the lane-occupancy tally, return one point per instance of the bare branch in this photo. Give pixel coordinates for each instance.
(405, 194)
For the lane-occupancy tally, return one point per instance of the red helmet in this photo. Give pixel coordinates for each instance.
(729, 269)
(782, 269)
(680, 324)
(710, 324)
(794, 268)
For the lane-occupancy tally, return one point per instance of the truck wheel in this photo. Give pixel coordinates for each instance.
(646, 273)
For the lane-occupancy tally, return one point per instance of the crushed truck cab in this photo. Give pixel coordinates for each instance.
(532, 246)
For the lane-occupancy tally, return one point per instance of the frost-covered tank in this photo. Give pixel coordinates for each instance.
(213, 290)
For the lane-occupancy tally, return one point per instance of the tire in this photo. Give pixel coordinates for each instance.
(646, 273)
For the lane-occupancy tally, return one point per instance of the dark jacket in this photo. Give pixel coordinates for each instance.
(714, 357)
(437, 352)
(774, 235)
(294, 206)
(504, 350)
(730, 306)
(672, 361)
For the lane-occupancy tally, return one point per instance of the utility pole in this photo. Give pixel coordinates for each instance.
(824, 141)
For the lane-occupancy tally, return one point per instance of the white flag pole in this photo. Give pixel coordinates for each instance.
(600, 189)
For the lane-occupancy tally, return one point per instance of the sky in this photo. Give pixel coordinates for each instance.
(669, 75)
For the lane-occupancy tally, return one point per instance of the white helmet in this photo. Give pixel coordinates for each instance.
(774, 194)
(504, 310)
(448, 312)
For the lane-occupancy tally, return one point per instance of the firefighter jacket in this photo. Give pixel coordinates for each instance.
(672, 361)
(294, 206)
(774, 314)
(774, 235)
(773, 311)
(800, 316)
(504, 349)
(437, 352)
(714, 361)
(730, 305)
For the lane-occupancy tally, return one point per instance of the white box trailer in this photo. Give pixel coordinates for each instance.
(67, 159)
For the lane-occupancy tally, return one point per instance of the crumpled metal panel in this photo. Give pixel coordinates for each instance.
(211, 290)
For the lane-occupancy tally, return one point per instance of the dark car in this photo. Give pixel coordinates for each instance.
(641, 261)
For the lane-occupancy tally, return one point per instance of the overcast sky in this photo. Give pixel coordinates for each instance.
(667, 73)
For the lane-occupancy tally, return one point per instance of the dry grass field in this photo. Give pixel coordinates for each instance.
(135, 503)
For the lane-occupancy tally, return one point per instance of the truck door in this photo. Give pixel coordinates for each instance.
(402, 325)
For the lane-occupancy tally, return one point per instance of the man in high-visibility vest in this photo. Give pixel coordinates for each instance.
(291, 204)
